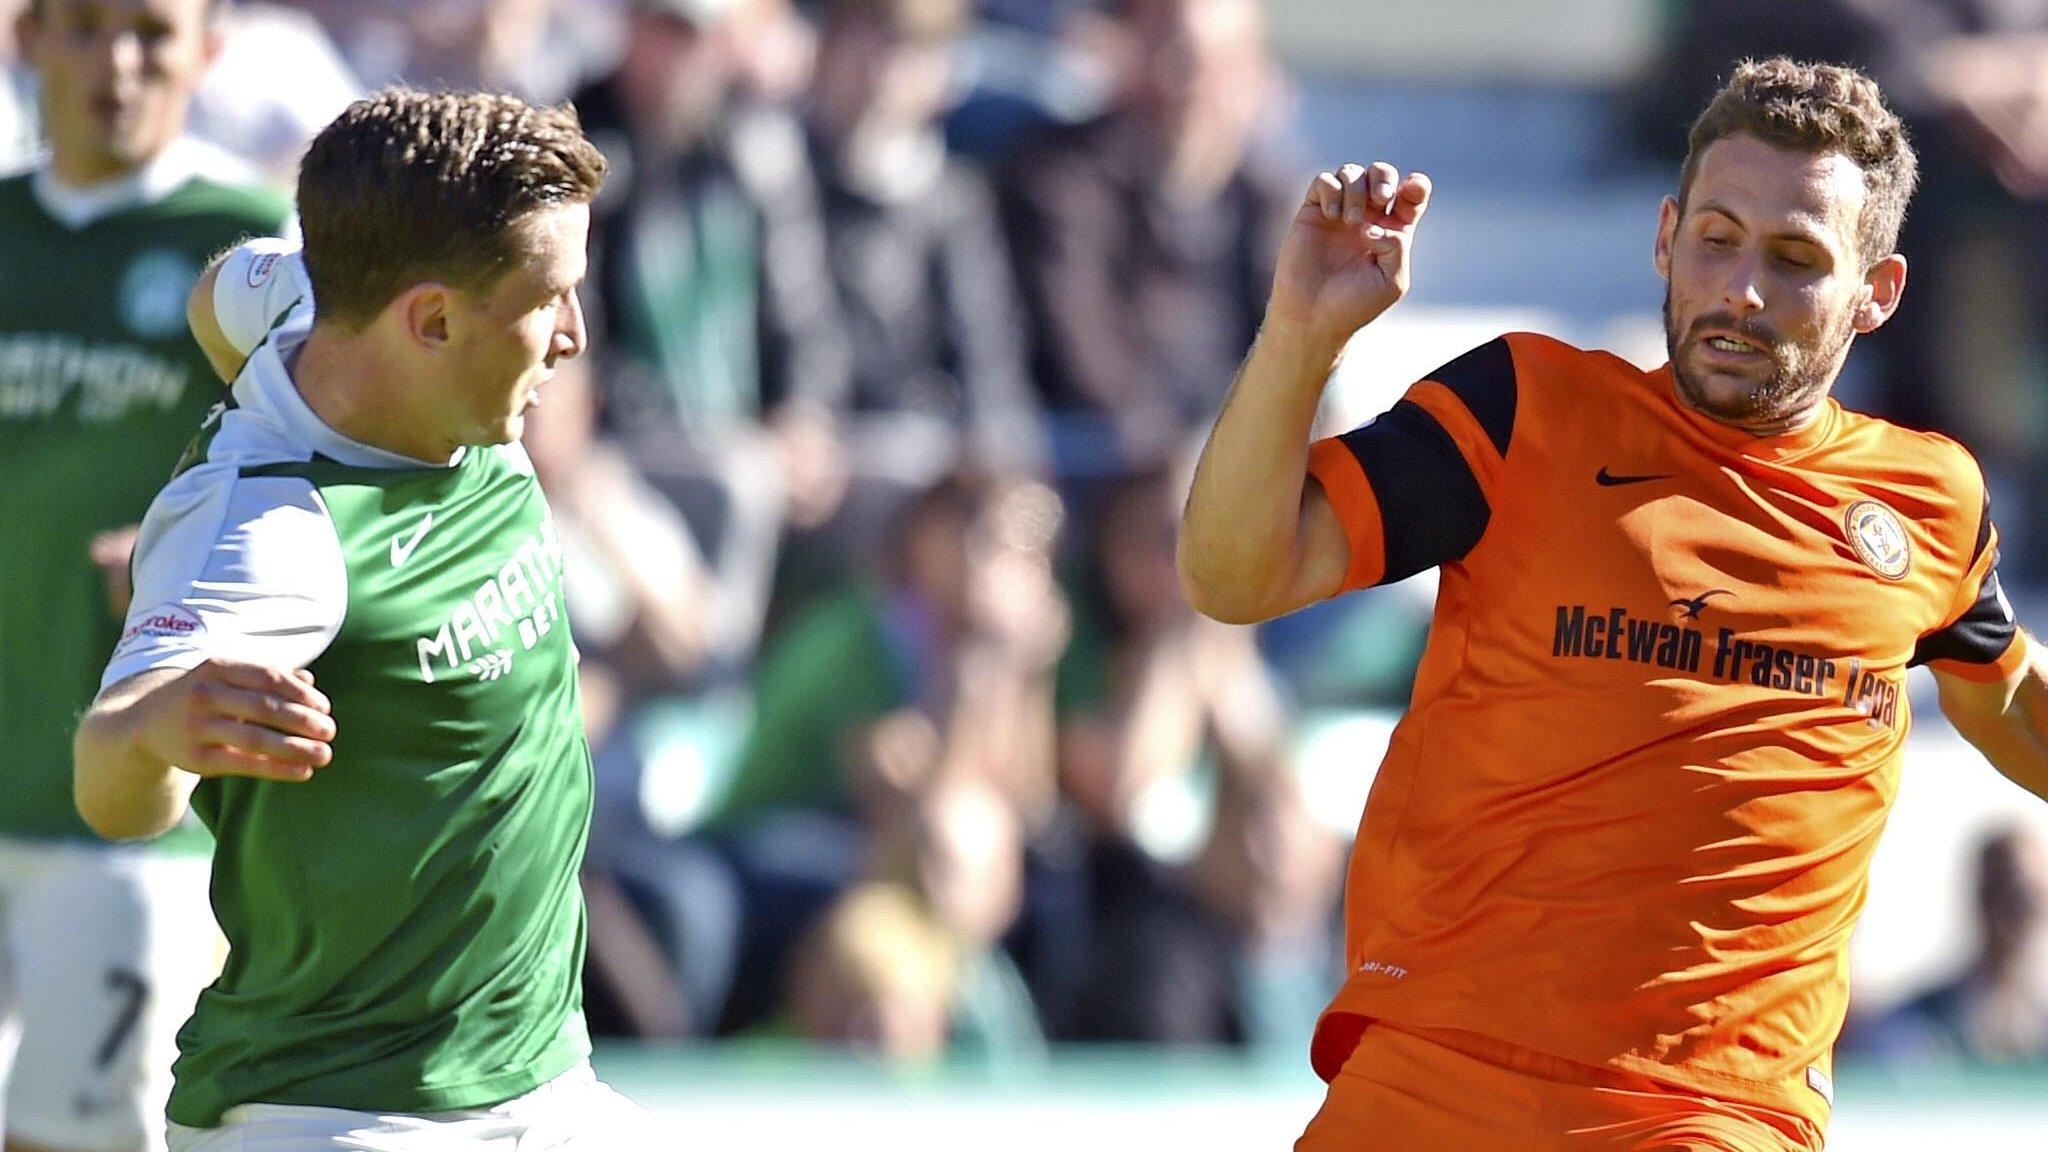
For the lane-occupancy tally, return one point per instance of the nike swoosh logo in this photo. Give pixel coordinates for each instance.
(1610, 480)
(401, 550)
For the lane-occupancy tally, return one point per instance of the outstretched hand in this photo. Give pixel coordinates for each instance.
(1345, 258)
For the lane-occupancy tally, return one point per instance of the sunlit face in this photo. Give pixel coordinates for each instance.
(1766, 286)
(508, 340)
(117, 78)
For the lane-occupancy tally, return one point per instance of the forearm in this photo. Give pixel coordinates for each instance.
(122, 790)
(1239, 546)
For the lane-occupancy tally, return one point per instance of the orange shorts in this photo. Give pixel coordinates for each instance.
(1404, 1092)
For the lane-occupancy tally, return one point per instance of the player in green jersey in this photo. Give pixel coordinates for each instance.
(102, 947)
(398, 846)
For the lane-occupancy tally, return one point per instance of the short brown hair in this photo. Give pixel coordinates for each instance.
(408, 186)
(1822, 109)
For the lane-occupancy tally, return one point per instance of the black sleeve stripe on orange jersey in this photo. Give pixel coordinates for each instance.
(1981, 636)
(1484, 379)
(1983, 531)
(1431, 508)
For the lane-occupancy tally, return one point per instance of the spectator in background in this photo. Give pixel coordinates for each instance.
(1144, 239)
(916, 254)
(958, 844)
(541, 50)
(1996, 1008)
(18, 134)
(103, 947)
(1209, 883)
(875, 975)
(945, 873)
(1970, 77)
(939, 671)
(647, 620)
(723, 365)
(241, 106)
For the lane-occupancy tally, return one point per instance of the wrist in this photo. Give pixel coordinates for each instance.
(1313, 349)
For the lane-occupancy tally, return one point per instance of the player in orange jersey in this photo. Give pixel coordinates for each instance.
(1603, 888)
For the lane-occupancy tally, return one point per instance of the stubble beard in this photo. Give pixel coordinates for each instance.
(1801, 375)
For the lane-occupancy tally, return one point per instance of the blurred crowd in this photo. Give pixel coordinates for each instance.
(905, 315)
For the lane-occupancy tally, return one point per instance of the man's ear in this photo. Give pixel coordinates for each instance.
(426, 308)
(1878, 298)
(1667, 230)
(216, 40)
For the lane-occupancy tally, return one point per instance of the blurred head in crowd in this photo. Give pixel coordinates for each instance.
(884, 65)
(876, 975)
(1194, 65)
(928, 556)
(679, 67)
(475, 43)
(966, 529)
(451, 228)
(2012, 891)
(116, 77)
(1778, 249)
(1134, 537)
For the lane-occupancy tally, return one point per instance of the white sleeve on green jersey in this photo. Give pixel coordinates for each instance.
(258, 285)
(244, 568)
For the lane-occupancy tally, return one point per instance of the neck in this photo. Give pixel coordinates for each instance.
(1761, 427)
(74, 171)
(346, 378)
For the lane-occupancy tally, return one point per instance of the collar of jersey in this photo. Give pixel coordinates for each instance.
(76, 207)
(266, 386)
(1784, 446)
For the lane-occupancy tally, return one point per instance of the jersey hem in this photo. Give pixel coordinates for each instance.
(1339, 1023)
(486, 1093)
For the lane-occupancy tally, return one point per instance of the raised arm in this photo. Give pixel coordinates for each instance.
(148, 740)
(1258, 539)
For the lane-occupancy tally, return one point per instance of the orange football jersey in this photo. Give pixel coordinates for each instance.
(1629, 816)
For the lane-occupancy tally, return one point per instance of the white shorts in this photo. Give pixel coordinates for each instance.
(103, 949)
(574, 1112)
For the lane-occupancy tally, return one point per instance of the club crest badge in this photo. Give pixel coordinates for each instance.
(153, 290)
(1879, 538)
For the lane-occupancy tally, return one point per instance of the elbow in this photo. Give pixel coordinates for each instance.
(98, 798)
(1214, 594)
(106, 820)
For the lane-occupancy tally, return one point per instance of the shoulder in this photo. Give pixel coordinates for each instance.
(214, 498)
(247, 567)
(222, 184)
(216, 523)
(1910, 451)
(1931, 481)
(1544, 359)
(1927, 466)
(256, 207)
(1497, 381)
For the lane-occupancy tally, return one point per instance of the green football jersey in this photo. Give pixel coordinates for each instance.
(100, 387)
(405, 929)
